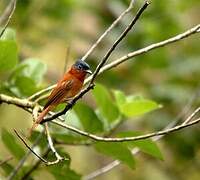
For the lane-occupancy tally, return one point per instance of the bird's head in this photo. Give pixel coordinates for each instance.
(80, 69)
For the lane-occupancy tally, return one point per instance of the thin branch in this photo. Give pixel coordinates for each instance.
(102, 62)
(120, 38)
(135, 138)
(41, 92)
(48, 163)
(50, 142)
(35, 166)
(134, 151)
(30, 149)
(108, 30)
(193, 30)
(8, 15)
(191, 116)
(174, 39)
(22, 161)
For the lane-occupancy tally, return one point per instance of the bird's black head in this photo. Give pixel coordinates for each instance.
(82, 66)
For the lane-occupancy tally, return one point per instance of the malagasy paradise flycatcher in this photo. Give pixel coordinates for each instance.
(66, 88)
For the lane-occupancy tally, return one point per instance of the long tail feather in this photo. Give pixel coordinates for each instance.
(39, 119)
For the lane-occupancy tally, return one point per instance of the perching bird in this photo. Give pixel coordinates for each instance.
(66, 88)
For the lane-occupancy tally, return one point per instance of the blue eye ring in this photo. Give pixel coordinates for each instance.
(79, 67)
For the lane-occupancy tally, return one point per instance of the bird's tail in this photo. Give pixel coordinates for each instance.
(39, 119)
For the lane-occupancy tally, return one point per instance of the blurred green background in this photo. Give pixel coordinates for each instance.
(46, 29)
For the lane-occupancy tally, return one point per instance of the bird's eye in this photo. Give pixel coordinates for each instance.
(79, 67)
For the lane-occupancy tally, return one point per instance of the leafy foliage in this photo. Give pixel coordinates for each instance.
(8, 56)
(132, 106)
(27, 74)
(106, 106)
(146, 145)
(11, 144)
(88, 118)
(117, 151)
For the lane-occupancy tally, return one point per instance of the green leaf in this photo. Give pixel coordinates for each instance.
(9, 34)
(119, 97)
(146, 145)
(31, 68)
(62, 171)
(26, 85)
(11, 144)
(117, 151)
(66, 174)
(26, 77)
(138, 107)
(8, 55)
(88, 118)
(36, 69)
(106, 106)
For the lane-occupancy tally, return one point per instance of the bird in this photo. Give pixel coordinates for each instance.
(66, 88)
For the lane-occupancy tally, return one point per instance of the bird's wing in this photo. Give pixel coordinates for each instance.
(59, 93)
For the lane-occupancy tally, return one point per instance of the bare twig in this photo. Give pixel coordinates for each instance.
(30, 149)
(102, 62)
(121, 37)
(191, 116)
(193, 30)
(48, 163)
(22, 161)
(108, 30)
(41, 92)
(176, 38)
(8, 15)
(135, 138)
(134, 151)
(35, 166)
(50, 142)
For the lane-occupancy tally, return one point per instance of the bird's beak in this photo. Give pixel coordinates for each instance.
(89, 71)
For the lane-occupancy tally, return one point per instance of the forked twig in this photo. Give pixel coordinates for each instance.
(50, 142)
(38, 156)
(48, 163)
(24, 158)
